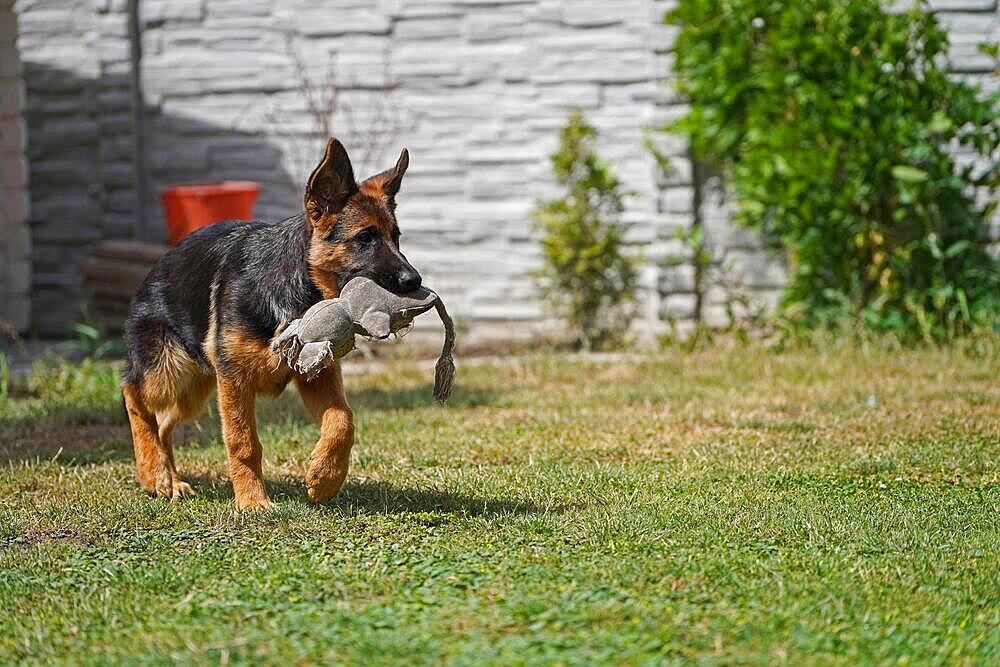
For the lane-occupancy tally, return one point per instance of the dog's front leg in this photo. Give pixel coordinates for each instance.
(331, 457)
(237, 407)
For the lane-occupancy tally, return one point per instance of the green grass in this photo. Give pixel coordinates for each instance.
(726, 506)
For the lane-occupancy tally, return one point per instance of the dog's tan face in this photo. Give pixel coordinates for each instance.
(353, 226)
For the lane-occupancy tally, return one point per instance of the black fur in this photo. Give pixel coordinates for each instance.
(254, 274)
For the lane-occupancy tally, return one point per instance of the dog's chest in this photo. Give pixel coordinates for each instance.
(276, 377)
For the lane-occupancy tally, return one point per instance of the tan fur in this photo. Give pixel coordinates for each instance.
(325, 260)
(253, 365)
(173, 390)
(239, 432)
(251, 369)
(144, 437)
(208, 343)
(169, 378)
(187, 407)
(325, 400)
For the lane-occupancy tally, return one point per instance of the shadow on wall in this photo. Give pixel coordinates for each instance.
(83, 179)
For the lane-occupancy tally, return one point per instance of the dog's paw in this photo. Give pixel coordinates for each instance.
(164, 487)
(252, 499)
(322, 489)
(181, 490)
(254, 505)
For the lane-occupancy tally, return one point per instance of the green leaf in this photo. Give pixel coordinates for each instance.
(991, 49)
(933, 246)
(957, 248)
(940, 123)
(85, 331)
(908, 174)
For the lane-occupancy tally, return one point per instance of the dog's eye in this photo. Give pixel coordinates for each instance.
(367, 236)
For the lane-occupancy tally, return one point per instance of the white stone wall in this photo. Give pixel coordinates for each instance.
(476, 89)
(15, 241)
(479, 91)
(77, 108)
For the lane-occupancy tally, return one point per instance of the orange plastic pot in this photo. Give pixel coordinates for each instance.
(190, 207)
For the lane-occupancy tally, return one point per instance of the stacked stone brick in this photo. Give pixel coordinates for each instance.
(15, 240)
(478, 90)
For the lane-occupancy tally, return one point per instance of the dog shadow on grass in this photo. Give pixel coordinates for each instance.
(71, 437)
(359, 498)
(371, 497)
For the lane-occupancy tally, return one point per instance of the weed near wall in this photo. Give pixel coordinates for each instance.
(836, 125)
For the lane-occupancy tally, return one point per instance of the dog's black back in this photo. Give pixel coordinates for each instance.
(251, 275)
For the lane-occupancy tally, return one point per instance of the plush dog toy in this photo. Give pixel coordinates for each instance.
(326, 331)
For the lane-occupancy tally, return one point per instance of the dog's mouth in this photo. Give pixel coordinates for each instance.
(390, 283)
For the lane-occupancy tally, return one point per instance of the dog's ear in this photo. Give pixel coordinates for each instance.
(389, 181)
(391, 186)
(331, 183)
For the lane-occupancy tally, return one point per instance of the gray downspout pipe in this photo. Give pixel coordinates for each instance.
(141, 231)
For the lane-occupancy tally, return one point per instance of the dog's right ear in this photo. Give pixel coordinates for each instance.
(331, 183)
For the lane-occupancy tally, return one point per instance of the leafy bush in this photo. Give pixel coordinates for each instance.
(837, 126)
(587, 276)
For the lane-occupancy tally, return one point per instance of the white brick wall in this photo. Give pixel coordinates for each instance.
(15, 241)
(479, 90)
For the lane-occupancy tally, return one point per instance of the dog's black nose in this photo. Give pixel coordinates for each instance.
(409, 280)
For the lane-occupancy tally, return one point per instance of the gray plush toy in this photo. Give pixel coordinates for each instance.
(325, 333)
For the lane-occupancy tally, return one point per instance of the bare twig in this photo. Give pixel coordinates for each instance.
(369, 124)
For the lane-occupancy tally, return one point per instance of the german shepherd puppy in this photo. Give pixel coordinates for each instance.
(205, 315)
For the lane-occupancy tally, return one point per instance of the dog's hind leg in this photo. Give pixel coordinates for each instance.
(170, 384)
(151, 463)
(187, 407)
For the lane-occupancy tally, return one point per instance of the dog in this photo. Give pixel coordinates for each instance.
(205, 315)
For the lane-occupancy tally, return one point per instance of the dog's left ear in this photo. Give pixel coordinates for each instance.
(390, 180)
(331, 183)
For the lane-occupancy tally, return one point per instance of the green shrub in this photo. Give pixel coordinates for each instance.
(836, 125)
(587, 276)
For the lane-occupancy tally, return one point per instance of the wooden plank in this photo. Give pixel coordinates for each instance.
(108, 292)
(107, 322)
(112, 272)
(117, 307)
(102, 269)
(133, 251)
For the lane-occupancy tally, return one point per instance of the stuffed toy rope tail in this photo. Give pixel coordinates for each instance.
(444, 370)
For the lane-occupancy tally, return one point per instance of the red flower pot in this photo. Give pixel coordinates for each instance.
(191, 207)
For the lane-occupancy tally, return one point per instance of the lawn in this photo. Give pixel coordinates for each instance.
(730, 505)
